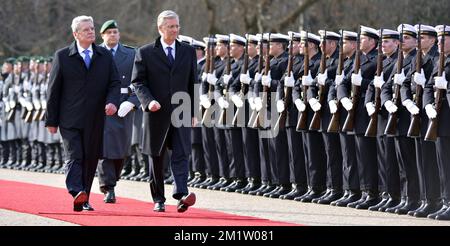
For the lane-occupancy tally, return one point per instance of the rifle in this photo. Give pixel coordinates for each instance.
(254, 114)
(432, 130)
(303, 118)
(11, 93)
(38, 114)
(223, 111)
(206, 119)
(391, 127)
(315, 122)
(414, 127)
(24, 111)
(281, 121)
(371, 130)
(334, 122)
(260, 121)
(244, 87)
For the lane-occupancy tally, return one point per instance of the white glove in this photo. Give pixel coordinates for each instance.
(300, 105)
(124, 108)
(390, 106)
(322, 78)
(419, 78)
(339, 78)
(12, 104)
(333, 106)
(237, 101)
(347, 103)
(431, 112)
(399, 78)
(280, 106)
(258, 103)
(204, 76)
(266, 80)
(289, 81)
(226, 78)
(44, 104)
(357, 78)
(37, 105)
(7, 108)
(411, 107)
(378, 81)
(440, 81)
(257, 77)
(223, 103)
(307, 79)
(251, 102)
(204, 101)
(22, 102)
(370, 108)
(245, 78)
(315, 105)
(29, 106)
(211, 78)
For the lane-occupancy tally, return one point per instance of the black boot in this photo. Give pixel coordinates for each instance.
(428, 208)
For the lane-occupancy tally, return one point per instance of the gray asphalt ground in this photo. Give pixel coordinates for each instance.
(233, 203)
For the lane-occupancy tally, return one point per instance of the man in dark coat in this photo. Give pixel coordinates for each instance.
(162, 69)
(118, 128)
(83, 80)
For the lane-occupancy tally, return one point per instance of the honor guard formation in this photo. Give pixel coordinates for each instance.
(350, 119)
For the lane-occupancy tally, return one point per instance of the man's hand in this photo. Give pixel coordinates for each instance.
(110, 109)
(154, 106)
(52, 129)
(194, 121)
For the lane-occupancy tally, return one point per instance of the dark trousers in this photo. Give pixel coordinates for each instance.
(210, 152)
(179, 162)
(279, 158)
(443, 156)
(317, 160)
(332, 147)
(406, 156)
(222, 152)
(428, 171)
(350, 176)
(235, 150)
(198, 159)
(366, 154)
(251, 153)
(265, 158)
(297, 158)
(388, 167)
(80, 168)
(109, 173)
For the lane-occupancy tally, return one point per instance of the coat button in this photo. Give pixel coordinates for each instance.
(123, 77)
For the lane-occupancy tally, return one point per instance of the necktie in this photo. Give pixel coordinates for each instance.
(87, 58)
(113, 52)
(170, 56)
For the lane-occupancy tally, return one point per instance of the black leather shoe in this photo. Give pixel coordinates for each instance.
(327, 193)
(229, 186)
(342, 198)
(392, 209)
(441, 210)
(409, 206)
(377, 206)
(110, 197)
(281, 191)
(87, 207)
(313, 194)
(372, 199)
(333, 196)
(427, 209)
(159, 207)
(392, 202)
(262, 187)
(361, 199)
(299, 198)
(268, 194)
(240, 184)
(185, 202)
(296, 192)
(268, 189)
(444, 215)
(79, 200)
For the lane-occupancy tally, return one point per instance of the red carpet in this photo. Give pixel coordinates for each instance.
(56, 203)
